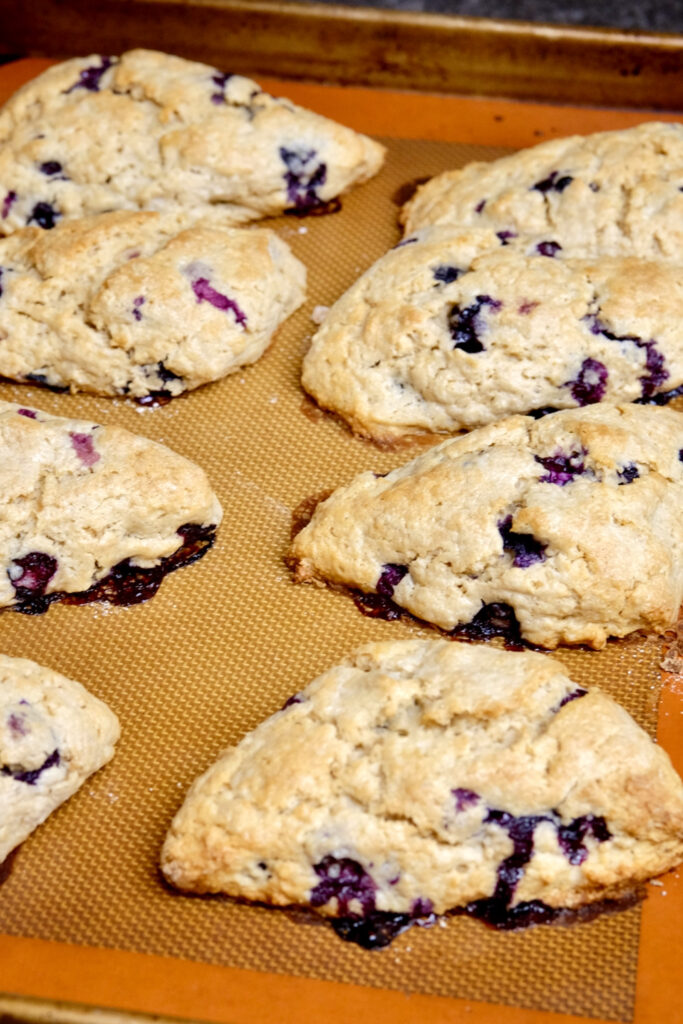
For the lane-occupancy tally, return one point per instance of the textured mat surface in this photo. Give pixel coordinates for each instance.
(227, 640)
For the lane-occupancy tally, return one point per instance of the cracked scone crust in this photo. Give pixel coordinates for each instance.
(455, 330)
(131, 303)
(53, 735)
(92, 512)
(150, 130)
(610, 194)
(570, 523)
(422, 776)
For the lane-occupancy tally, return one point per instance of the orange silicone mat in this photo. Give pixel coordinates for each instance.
(227, 640)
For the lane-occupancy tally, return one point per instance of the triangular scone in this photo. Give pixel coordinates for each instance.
(53, 735)
(426, 775)
(131, 303)
(571, 522)
(456, 330)
(93, 513)
(610, 194)
(148, 130)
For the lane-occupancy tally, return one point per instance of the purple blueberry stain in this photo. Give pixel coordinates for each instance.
(569, 697)
(296, 698)
(91, 77)
(377, 606)
(480, 206)
(40, 378)
(50, 168)
(496, 910)
(656, 373)
(44, 215)
(422, 907)
(405, 241)
(346, 881)
(590, 383)
(465, 325)
(505, 236)
(446, 274)
(220, 80)
(525, 548)
(465, 798)
(17, 724)
(29, 413)
(31, 574)
(493, 619)
(550, 249)
(31, 777)
(552, 183)
(137, 303)
(390, 577)
(82, 444)
(562, 468)
(205, 292)
(572, 837)
(628, 473)
(303, 177)
(528, 306)
(7, 203)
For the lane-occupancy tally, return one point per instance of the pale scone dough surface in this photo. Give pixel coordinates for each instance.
(136, 302)
(614, 193)
(78, 499)
(454, 330)
(573, 521)
(416, 775)
(53, 735)
(148, 130)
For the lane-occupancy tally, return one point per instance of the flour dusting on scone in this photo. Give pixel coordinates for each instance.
(615, 193)
(53, 735)
(93, 513)
(136, 303)
(148, 130)
(566, 528)
(461, 328)
(424, 775)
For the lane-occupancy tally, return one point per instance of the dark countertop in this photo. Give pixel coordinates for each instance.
(644, 16)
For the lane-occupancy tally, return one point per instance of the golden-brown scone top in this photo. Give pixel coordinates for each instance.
(133, 303)
(613, 193)
(149, 130)
(80, 500)
(455, 330)
(403, 779)
(572, 521)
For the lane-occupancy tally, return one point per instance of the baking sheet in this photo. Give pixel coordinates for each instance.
(226, 641)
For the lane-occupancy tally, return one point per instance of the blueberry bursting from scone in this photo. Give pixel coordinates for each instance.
(93, 513)
(420, 778)
(564, 529)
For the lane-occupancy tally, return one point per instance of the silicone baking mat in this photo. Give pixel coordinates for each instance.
(227, 640)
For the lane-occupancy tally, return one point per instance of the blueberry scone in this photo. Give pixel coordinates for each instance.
(53, 735)
(129, 303)
(422, 776)
(150, 130)
(456, 330)
(93, 513)
(615, 193)
(567, 529)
